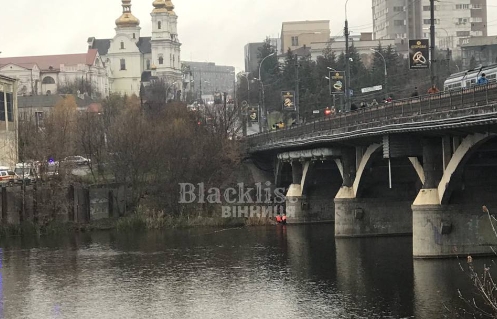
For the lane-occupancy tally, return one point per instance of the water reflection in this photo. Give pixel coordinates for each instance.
(260, 272)
(376, 274)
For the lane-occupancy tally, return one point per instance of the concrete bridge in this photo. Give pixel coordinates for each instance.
(422, 166)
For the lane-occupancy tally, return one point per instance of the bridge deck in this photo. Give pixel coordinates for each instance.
(452, 109)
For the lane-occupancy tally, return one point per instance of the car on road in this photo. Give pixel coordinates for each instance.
(77, 160)
(26, 171)
(7, 176)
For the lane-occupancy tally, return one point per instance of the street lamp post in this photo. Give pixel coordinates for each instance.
(432, 43)
(262, 88)
(347, 60)
(386, 74)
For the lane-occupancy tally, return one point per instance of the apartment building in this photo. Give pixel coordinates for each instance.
(296, 34)
(405, 19)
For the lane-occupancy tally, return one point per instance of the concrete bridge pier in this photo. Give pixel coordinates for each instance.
(442, 226)
(364, 205)
(295, 197)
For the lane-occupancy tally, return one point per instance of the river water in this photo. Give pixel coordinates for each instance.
(252, 272)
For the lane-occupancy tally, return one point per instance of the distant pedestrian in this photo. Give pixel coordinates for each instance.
(333, 111)
(353, 107)
(415, 93)
(278, 218)
(483, 80)
(374, 103)
(433, 90)
(283, 219)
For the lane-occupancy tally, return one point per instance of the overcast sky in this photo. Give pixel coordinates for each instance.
(214, 30)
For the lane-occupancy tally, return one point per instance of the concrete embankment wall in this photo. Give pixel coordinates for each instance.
(73, 203)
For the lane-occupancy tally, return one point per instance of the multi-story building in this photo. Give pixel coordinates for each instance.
(209, 78)
(9, 133)
(129, 57)
(363, 43)
(45, 75)
(251, 54)
(252, 50)
(405, 19)
(482, 49)
(397, 20)
(296, 34)
(455, 20)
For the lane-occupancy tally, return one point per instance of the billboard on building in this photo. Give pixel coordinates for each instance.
(253, 114)
(288, 100)
(337, 82)
(419, 54)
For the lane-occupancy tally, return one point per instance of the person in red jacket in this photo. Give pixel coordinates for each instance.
(278, 218)
(283, 219)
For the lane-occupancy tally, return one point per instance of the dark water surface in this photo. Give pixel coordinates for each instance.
(259, 272)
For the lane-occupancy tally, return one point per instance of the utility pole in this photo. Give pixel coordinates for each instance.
(297, 102)
(432, 43)
(347, 63)
(201, 87)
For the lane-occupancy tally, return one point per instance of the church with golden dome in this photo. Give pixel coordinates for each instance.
(131, 59)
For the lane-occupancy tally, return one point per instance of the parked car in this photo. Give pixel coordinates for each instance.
(26, 171)
(77, 160)
(7, 176)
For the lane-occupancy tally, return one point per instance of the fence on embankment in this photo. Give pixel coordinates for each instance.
(71, 203)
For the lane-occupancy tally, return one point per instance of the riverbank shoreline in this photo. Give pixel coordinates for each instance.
(130, 223)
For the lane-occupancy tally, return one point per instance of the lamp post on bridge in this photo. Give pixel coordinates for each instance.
(262, 91)
(386, 74)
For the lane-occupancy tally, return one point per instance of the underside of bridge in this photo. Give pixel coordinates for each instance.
(431, 185)
(379, 201)
(447, 214)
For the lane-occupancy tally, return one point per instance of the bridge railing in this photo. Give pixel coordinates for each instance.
(382, 114)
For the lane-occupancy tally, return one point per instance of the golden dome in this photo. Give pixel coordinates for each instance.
(170, 7)
(127, 19)
(159, 6)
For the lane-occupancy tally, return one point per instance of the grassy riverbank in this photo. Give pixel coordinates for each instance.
(132, 223)
(159, 220)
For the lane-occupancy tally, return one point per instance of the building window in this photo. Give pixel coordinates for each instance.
(462, 6)
(476, 6)
(123, 64)
(428, 21)
(398, 9)
(39, 119)
(161, 60)
(148, 64)
(134, 36)
(122, 45)
(462, 33)
(48, 80)
(477, 19)
(295, 41)
(462, 20)
(159, 25)
(398, 23)
(427, 8)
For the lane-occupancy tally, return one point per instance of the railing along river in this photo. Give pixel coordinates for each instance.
(443, 105)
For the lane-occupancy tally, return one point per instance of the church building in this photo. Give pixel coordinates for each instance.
(131, 59)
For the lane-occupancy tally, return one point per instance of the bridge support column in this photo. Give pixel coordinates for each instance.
(366, 217)
(448, 230)
(440, 229)
(295, 201)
